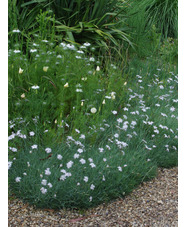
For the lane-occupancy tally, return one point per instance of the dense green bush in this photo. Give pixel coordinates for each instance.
(85, 129)
(79, 137)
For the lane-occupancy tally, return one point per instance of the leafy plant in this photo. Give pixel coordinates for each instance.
(169, 50)
(107, 153)
(164, 14)
(77, 21)
(22, 15)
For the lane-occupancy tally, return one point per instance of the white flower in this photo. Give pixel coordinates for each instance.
(125, 83)
(31, 133)
(63, 44)
(161, 87)
(103, 101)
(69, 164)
(20, 70)
(43, 190)
(79, 90)
(119, 168)
(107, 146)
(71, 47)
(82, 136)
(28, 164)
(86, 44)
(172, 109)
(104, 159)
(62, 177)
(44, 182)
(11, 137)
(59, 157)
(82, 161)
(66, 85)
(113, 97)
(156, 131)
(92, 187)
(25, 174)
(17, 51)
(93, 110)
(90, 199)
(76, 156)
(80, 52)
(103, 179)
(133, 123)
(119, 120)
(33, 50)
(34, 146)
(49, 185)
(92, 165)
(63, 171)
(48, 150)
(97, 68)
(92, 59)
(47, 171)
(13, 149)
(125, 165)
(35, 87)
(85, 179)
(114, 112)
(90, 160)
(116, 135)
(101, 150)
(164, 115)
(9, 164)
(16, 31)
(77, 130)
(18, 179)
(36, 45)
(80, 150)
(68, 174)
(45, 68)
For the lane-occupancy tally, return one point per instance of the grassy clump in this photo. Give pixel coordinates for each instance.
(79, 146)
(85, 129)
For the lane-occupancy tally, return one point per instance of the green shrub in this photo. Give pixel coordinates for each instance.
(169, 50)
(79, 148)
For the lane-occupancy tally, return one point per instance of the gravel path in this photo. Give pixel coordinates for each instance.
(153, 203)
